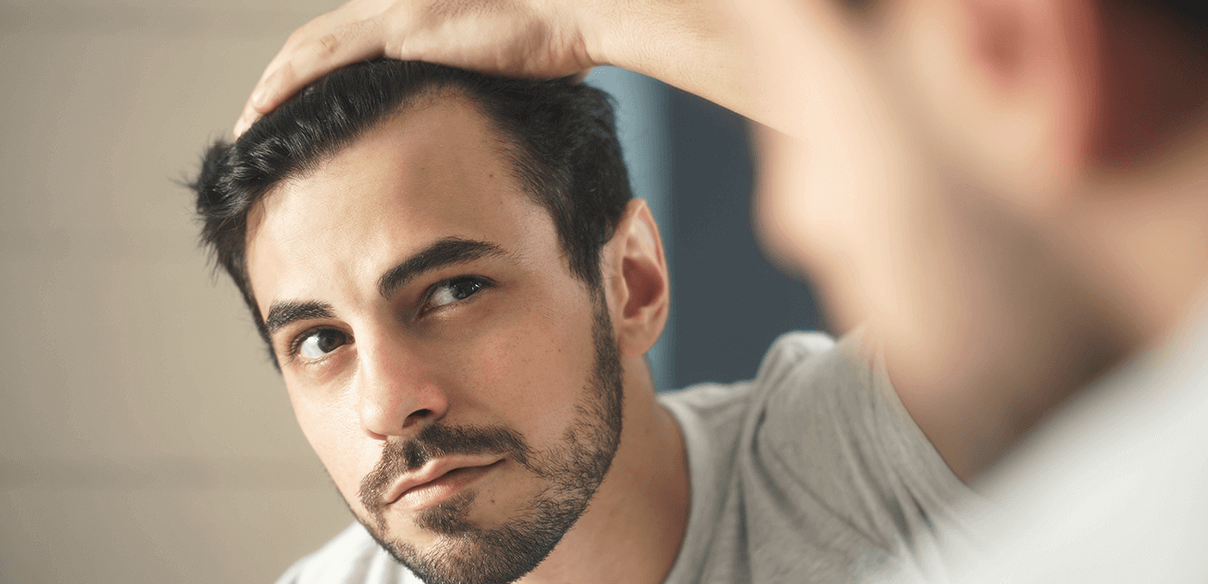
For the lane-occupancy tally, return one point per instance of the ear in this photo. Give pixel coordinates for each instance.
(635, 280)
(1008, 89)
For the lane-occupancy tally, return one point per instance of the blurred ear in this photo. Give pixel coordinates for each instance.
(635, 280)
(1007, 89)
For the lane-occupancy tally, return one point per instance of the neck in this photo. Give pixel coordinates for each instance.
(631, 531)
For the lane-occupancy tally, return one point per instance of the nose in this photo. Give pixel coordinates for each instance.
(397, 393)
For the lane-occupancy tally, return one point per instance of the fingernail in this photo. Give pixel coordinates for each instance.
(240, 126)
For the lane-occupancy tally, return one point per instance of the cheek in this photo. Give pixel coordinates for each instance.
(333, 430)
(782, 233)
(797, 202)
(841, 207)
(807, 221)
(534, 373)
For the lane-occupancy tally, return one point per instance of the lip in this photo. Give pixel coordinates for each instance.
(438, 480)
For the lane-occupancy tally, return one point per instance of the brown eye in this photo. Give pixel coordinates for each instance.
(319, 343)
(451, 291)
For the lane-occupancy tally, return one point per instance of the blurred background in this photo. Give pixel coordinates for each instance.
(143, 436)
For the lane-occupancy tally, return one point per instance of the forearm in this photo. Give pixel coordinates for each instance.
(755, 57)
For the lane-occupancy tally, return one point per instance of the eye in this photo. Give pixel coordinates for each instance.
(454, 290)
(318, 343)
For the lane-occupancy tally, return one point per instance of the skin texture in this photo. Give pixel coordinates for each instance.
(1009, 192)
(509, 380)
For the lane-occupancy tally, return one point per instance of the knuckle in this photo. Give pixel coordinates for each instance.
(328, 44)
(297, 37)
(283, 76)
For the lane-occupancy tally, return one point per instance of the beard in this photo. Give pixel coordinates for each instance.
(572, 470)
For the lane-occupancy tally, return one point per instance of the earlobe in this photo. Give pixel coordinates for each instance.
(640, 284)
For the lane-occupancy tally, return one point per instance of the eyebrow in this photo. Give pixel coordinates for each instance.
(442, 253)
(283, 313)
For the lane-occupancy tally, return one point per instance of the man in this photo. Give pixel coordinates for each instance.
(459, 290)
(1009, 191)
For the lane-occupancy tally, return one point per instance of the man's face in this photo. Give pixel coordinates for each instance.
(462, 388)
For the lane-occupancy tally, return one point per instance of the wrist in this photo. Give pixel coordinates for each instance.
(595, 22)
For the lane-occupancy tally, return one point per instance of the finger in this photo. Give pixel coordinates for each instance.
(322, 55)
(350, 12)
(247, 117)
(349, 44)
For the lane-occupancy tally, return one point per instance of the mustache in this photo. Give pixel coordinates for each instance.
(435, 441)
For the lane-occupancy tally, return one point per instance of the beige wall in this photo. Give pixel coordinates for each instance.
(143, 437)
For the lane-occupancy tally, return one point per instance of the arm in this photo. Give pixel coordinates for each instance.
(718, 49)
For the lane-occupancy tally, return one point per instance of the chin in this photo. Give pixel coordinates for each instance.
(456, 548)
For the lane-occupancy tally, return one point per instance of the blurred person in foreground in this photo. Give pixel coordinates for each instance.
(459, 289)
(1012, 193)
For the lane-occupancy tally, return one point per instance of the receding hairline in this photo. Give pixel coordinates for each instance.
(431, 95)
(428, 96)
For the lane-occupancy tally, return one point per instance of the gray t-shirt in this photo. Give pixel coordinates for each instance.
(811, 472)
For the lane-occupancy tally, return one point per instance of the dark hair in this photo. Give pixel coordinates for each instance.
(559, 135)
(1192, 15)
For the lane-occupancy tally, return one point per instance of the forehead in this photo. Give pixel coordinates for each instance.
(435, 170)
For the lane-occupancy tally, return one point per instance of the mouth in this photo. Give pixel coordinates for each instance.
(438, 481)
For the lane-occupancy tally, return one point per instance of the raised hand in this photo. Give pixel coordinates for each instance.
(526, 38)
(759, 58)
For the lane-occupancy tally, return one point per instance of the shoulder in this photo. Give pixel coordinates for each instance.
(798, 378)
(352, 557)
(784, 366)
(830, 405)
(812, 372)
(789, 351)
(785, 356)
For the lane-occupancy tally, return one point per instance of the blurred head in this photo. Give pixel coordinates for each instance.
(454, 281)
(980, 179)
